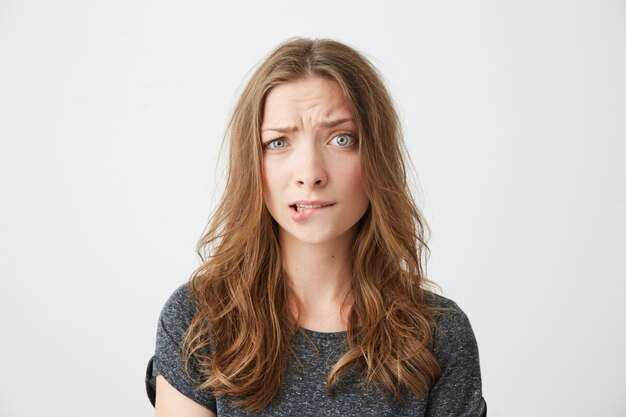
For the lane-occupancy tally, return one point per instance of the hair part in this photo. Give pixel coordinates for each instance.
(242, 332)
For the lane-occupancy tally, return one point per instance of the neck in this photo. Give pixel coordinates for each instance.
(319, 278)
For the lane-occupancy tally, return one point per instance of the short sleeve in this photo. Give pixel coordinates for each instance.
(458, 391)
(168, 361)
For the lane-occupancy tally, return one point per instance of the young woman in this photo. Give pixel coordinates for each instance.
(312, 298)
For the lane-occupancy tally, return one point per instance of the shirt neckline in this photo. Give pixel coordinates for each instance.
(324, 335)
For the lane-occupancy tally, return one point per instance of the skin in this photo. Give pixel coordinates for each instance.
(311, 161)
(311, 153)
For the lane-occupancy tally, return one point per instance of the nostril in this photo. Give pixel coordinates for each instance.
(313, 182)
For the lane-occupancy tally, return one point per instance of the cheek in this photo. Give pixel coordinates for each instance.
(270, 177)
(353, 175)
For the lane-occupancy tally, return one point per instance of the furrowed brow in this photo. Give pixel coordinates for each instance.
(337, 122)
(287, 129)
(329, 124)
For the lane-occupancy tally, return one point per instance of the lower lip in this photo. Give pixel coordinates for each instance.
(306, 213)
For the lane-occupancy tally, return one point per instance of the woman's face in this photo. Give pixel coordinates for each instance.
(312, 184)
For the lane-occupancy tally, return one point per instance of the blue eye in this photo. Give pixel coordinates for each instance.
(275, 144)
(344, 140)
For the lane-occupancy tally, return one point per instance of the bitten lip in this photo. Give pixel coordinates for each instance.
(311, 204)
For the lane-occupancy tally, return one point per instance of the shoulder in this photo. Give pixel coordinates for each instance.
(458, 390)
(448, 312)
(169, 361)
(452, 331)
(439, 301)
(178, 311)
(180, 301)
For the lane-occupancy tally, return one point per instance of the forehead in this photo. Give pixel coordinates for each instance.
(313, 98)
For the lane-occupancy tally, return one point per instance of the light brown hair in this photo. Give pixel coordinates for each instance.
(242, 332)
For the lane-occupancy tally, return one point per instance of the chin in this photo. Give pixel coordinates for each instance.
(321, 236)
(318, 240)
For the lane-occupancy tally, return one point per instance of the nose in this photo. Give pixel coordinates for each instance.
(311, 169)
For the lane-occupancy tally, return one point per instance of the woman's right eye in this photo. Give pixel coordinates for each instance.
(275, 144)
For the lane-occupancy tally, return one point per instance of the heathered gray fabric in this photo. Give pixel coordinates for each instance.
(457, 392)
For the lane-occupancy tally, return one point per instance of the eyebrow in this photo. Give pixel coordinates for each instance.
(329, 124)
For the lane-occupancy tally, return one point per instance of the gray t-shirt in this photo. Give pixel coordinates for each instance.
(456, 393)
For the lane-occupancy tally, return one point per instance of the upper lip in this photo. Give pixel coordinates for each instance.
(311, 203)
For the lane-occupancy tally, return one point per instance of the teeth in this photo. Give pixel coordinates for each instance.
(299, 207)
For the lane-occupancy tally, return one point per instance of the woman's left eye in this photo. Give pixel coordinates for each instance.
(344, 140)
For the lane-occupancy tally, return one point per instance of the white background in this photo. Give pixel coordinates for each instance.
(111, 118)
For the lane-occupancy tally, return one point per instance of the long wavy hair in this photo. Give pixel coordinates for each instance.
(240, 338)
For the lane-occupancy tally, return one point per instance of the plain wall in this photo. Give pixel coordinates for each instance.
(111, 118)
